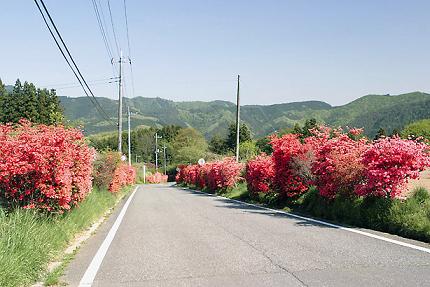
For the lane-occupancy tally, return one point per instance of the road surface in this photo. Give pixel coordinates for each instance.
(175, 237)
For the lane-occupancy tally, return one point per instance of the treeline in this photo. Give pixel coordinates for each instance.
(29, 102)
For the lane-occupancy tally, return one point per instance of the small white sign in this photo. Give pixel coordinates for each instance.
(123, 158)
(201, 161)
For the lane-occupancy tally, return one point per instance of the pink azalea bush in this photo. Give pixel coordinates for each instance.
(123, 175)
(157, 178)
(217, 175)
(389, 164)
(44, 167)
(259, 174)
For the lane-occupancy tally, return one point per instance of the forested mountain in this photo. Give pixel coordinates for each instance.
(371, 112)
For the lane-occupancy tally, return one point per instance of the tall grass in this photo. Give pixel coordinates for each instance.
(29, 240)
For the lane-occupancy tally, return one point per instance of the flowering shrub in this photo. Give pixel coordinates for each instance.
(217, 175)
(157, 178)
(180, 175)
(389, 163)
(123, 175)
(338, 166)
(292, 164)
(104, 168)
(259, 174)
(44, 167)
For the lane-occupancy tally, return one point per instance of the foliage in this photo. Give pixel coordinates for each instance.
(105, 165)
(291, 160)
(25, 101)
(156, 178)
(215, 176)
(337, 167)
(389, 163)
(264, 146)
(218, 145)
(244, 136)
(417, 129)
(259, 174)
(247, 150)
(123, 175)
(29, 240)
(189, 145)
(43, 167)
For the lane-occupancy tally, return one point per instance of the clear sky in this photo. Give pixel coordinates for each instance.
(285, 50)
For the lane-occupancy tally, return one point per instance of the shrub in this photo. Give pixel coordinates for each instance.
(338, 166)
(157, 178)
(123, 175)
(43, 167)
(259, 174)
(292, 161)
(389, 163)
(104, 168)
(217, 175)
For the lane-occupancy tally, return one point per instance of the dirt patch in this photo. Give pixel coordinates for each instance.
(424, 181)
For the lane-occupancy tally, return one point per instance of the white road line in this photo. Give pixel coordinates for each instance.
(416, 247)
(91, 272)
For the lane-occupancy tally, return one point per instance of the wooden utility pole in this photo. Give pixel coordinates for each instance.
(129, 136)
(120, 106)
(237, 118)
(156, 150)
(164, 154)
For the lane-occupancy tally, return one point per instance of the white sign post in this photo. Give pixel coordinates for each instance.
(144, 173)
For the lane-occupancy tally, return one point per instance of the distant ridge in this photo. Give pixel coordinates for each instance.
(371, 112)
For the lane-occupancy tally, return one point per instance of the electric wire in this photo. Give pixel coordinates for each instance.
(113, 28)
(128, 45)
(92, 99)
(102, 30)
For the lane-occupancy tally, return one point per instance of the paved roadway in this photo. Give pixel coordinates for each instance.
(175, 237)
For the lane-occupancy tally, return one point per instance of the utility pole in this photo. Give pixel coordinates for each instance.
(120, 105)
(164, 153)
(237, 119)
(156, 150)
(129, 136)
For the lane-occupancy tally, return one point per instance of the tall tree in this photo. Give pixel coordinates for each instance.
(244, 135)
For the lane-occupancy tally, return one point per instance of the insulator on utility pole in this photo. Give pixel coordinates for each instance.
(237, 118)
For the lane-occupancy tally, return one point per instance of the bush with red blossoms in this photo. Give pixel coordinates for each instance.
(338, 165)
(292, 161)
(180, 175)
(123, 175)
(157, 178)
(259, 174)
(44, 167)
(389, 164)
(217, 175)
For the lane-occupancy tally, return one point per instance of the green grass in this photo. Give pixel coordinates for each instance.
(29, 240)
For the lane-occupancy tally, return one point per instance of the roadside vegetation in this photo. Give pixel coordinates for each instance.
(329, 173)
(48, 195)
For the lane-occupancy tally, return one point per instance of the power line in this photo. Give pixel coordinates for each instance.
(102, 30)
(77, 72)
(113, 27)
(128, 45)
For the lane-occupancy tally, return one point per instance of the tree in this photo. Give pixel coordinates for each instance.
(417, 129)
(308, 126)
(264, 145)
(217, 145)
(244, 135)
(247, 150)
(189, 145)
(26, 101)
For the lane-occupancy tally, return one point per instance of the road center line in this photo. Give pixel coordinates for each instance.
(91, 272)
(409, 245)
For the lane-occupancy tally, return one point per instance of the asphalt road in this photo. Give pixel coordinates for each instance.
(175, 237)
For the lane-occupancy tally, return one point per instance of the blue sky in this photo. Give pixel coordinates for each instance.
(285, 51)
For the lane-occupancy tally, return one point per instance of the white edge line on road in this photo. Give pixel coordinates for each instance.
(416, 247)
(91, 272)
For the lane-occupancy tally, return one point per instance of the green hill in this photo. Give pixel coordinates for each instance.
(370, 112)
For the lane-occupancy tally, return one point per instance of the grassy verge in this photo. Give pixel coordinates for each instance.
(29, 240)
(408, 218)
